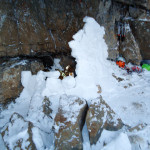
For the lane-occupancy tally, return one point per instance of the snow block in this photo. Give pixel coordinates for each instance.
(120, 143)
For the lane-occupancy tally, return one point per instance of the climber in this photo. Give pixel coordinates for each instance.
(69, 71)
(120, 61)
(62, 74)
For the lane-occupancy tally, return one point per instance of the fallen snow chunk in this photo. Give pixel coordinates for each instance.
(56, 65)
(120, 143)
(53, 87)
(28, 81)
(140, 139)
(68, 82)
(37, 139)
(52, 74)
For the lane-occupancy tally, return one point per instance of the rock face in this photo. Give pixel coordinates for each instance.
(106, 17)
(69, 122)
(142, 3)
(100, 116)
(129, 48)
(141, 32)
(35, 28)
(30, 27)
(127, 13)
(20, 133)
(10, 77)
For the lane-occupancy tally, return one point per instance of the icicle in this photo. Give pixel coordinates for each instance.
(52, 38)
(118, 29)
(124, 29)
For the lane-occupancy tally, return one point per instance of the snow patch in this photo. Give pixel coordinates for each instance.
(120, 143)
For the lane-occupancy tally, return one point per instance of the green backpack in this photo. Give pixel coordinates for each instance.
(146, 66)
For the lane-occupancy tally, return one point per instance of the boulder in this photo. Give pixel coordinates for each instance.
(100, 116)
(107, 19)
(17, 134)
(129, 48)
(141, 31)
(10, 77)
(69, 122)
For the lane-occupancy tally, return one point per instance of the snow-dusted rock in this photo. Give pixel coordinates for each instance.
(10, 77)
(69, 122)
(46, 107)
(130, 48)
(138, 127)
(100, 116)
(139, 137)
(17, 134)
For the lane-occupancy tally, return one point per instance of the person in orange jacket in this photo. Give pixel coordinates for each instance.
(120, 62)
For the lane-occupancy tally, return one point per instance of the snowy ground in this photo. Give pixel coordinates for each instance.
(127, 94)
